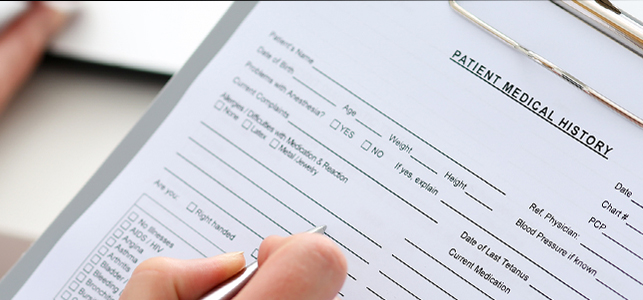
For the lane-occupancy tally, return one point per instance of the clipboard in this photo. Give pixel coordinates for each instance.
(178, 86)
(602, 15)
(127, 149)
(608, 19)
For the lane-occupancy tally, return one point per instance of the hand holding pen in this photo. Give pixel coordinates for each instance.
(302, 266)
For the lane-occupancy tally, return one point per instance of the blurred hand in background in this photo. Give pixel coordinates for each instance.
(23, 42)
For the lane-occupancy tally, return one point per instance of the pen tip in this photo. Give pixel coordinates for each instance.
(319, 229)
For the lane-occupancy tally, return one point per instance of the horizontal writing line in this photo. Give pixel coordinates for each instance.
(399, 285)
(539, 292)
(347, 249)
(411, 132)
(365, 174)
(514, 249)
(311, 89)
(445, 266)
(374, 293)
(611, 264)
(634, 228)
(611, 289)
(291, 185)
(233, 193)
(423, 164)
(253, 183)
(369, 128)
(186, 224)
(422, 275)
(213, 203)
(482, 203)
(615, 241)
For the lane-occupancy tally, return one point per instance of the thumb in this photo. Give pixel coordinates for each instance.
(162, 278)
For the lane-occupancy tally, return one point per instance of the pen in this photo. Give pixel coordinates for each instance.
(232, 286)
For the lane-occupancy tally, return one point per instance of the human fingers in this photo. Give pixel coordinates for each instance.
(22, 44)
(302, 266)
(268, 246)
(162, 278)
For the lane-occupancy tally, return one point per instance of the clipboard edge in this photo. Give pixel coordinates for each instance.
(604, 26)
(138, 136)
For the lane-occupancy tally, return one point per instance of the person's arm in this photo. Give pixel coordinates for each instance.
(22, 44)
(302, 266)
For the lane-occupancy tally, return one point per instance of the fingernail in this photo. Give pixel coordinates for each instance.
(64, 7)
(228, 257)
(232, 254)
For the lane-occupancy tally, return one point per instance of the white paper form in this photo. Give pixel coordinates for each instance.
(445, 164)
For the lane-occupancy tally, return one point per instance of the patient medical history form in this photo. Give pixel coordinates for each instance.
(445, 164)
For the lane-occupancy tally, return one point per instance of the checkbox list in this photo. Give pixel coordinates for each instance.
(274, 143)
(246, 124)
(366, 145)
(191, 207)
(132, 217)
(125, 225)
(334, 124)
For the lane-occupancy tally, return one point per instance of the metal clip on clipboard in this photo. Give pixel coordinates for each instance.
(618, 25)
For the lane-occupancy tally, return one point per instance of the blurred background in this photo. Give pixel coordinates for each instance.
(96, 80)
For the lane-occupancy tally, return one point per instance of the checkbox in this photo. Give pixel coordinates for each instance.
(110, 241)
(102, 250)
(219, 105)
(66, 295)
(334, 124)
(88, 268)
(73, 286)
(133, 216)
(125, 225)
(366, 145)
(81, 276)
(95, 259)
(274, 143)
(118, 233)
(255, 253)
(246, 124)
(191, 207)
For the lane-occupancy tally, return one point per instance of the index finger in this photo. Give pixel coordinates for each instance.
(163, 278)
